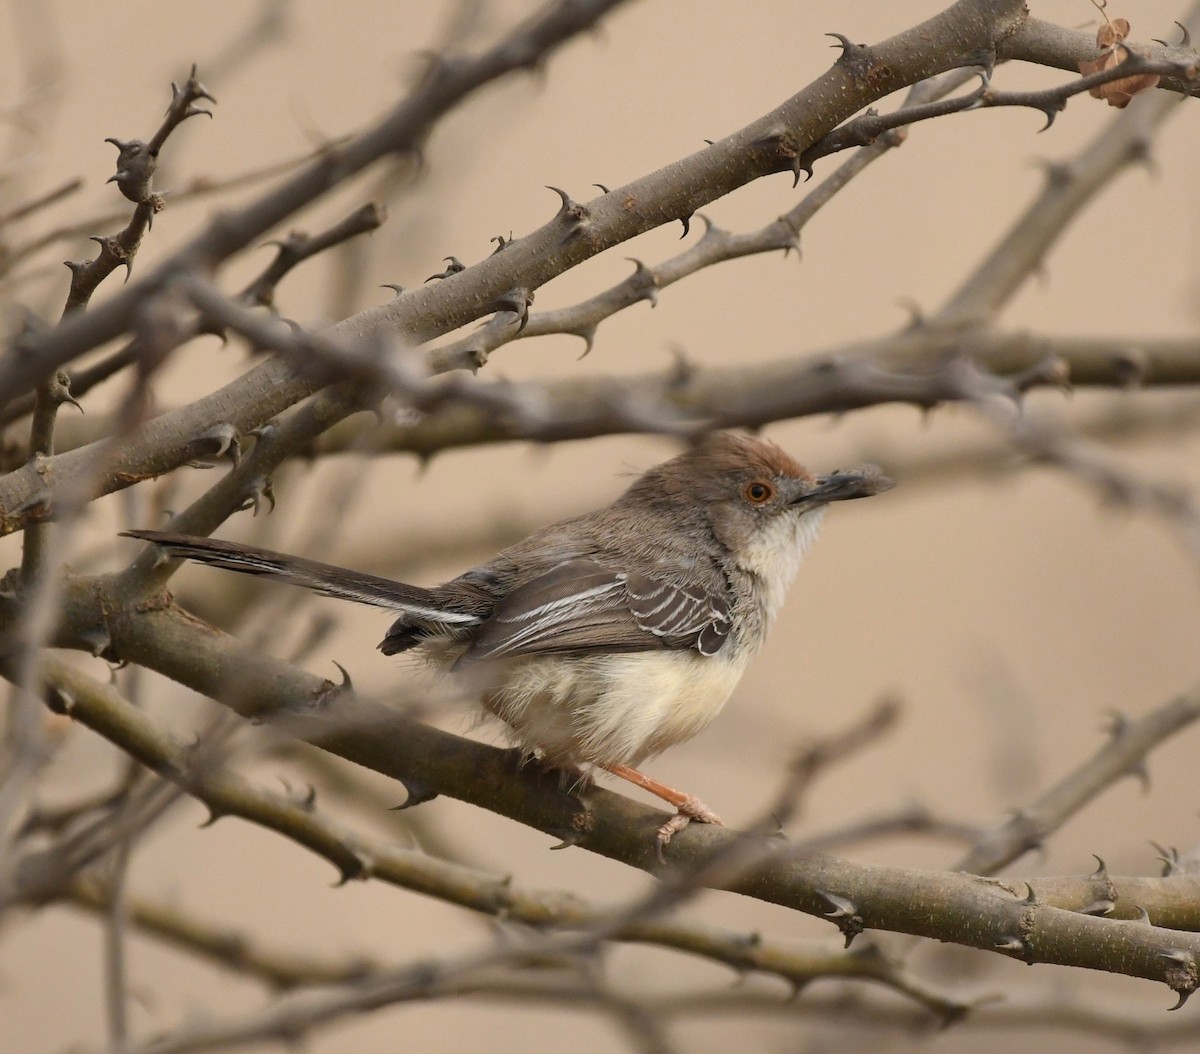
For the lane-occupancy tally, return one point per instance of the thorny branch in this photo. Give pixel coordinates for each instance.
(1125, 925)
(356, 857)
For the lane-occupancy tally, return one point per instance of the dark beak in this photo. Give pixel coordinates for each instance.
(861, 482)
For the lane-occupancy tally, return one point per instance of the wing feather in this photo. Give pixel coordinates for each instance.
(581, 606)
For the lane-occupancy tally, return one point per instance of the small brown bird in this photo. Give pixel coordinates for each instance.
(606, 638)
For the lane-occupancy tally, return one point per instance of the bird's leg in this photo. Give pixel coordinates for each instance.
(688, 808)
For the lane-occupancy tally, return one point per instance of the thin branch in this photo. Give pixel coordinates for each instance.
(443, 87)
(101, 708)
(1069, 187)
(136, 164)
(1124, 754)
(298, 247)
(220, 944)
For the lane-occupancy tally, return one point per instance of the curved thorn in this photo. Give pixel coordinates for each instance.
(1099, 907)
(1184, 995)
(687, 225)
(572, 837)
(1049, 114)
(563, 195)
(603, 188)
(417, 794)
(588, 336)
(212, 817)
(453, 266)
(844, 42)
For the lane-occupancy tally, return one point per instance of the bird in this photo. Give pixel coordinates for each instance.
(604, 639)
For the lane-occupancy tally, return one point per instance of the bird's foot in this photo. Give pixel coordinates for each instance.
(689, 809)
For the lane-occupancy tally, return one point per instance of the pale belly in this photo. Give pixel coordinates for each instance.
(613, 709)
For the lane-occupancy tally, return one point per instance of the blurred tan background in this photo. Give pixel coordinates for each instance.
(1009, 613)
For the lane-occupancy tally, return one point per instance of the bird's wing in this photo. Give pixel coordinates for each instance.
(582, 607)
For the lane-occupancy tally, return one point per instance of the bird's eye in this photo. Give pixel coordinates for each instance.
(759, 492)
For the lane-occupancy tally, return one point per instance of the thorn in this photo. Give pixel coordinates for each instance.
(347, 685)
(1030, 896)
(1180, 973)
(1139, 771)
(223, 438)
(603, 188)
(687, 225)
(1169, 856)
(516, 302)
(845, 43)
(791, 241)
(1101, 872)
(397, 289)
(214, 815)
(570, 210)
(359, 869)
(1050, 111)
(588, 336)
(502, 243)
(1010, 944)
(566, 198)
(454, 265)
(1184, 995)
(60, 389)
(1099, 907)
(916, 317)
(843, 914)
(259, 489)
(266, 430)
(1143, 916)
(417, 793)
(644, 278)
(99, 643)
(571, 837)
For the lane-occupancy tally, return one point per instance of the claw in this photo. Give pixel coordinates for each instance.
(689, 809)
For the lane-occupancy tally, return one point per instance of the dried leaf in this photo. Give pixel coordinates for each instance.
(1109, 38)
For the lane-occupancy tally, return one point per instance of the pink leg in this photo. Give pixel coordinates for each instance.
(688, 808)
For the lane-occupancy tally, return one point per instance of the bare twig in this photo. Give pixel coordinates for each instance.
(1124, 754)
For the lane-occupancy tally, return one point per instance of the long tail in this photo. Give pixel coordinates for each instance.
(425, 608)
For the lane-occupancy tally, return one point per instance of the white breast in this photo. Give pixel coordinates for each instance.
(614, 709)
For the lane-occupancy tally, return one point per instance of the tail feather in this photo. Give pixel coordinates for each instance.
(425, 607)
